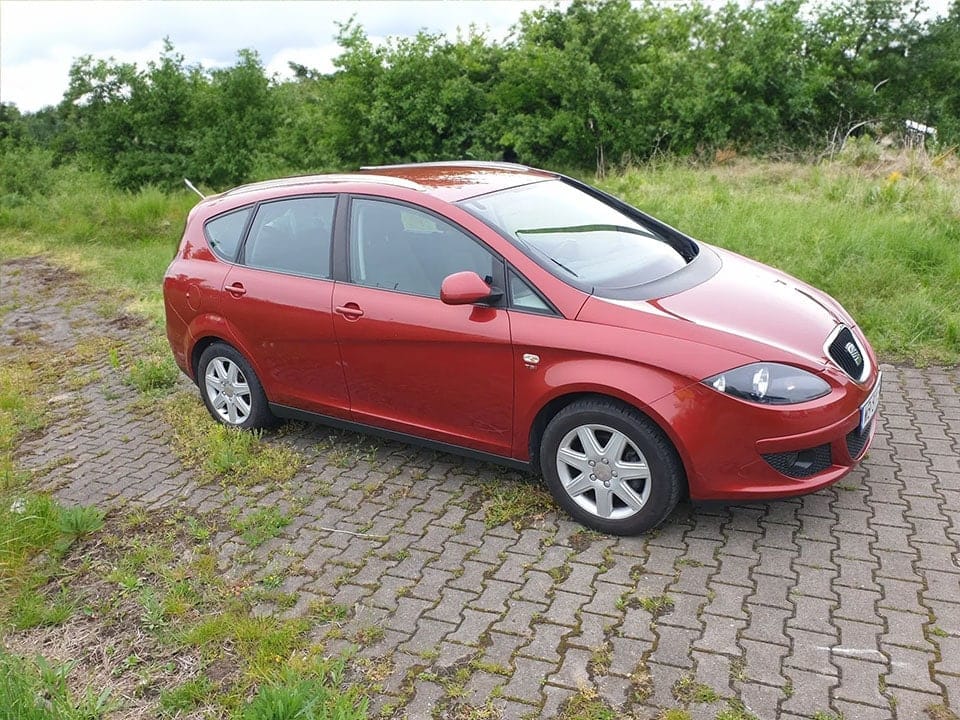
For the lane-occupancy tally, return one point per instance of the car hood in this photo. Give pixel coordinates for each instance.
(745, 307)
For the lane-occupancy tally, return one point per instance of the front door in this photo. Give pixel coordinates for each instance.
(412, 363)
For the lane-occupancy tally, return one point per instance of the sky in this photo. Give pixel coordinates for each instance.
(40, 39)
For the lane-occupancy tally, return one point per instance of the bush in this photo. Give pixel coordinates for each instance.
(24, 173)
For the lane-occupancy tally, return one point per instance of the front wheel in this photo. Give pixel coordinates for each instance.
(231, 390)
(610, 467)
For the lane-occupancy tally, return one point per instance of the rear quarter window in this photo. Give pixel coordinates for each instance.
(224, 233)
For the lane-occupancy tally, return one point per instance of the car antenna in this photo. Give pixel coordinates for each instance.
(194, 188)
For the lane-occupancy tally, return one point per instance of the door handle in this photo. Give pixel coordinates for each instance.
(237, 289)
(351, 311)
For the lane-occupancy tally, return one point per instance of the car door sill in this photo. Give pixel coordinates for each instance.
(284, 411)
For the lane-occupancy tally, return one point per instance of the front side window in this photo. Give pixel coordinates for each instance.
(524, 297)
(576, 236)
(292, 236)
(397, 247)
(224, 232)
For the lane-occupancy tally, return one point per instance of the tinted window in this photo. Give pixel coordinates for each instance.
(399, 248)
(224, 232)
(576, 235)
(292, 236)
(524, 297)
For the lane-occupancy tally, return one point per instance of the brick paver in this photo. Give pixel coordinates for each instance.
(842, 603)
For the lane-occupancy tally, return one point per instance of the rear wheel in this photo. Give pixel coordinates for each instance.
(231, 390)
(610, 467)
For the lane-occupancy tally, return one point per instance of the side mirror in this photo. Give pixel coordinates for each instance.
(466, 288)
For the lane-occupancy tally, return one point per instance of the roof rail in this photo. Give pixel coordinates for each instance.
(496, 164)
(334, 178)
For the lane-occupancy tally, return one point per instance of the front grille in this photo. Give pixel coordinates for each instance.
(857, 440)
(847, 353)
(801, 463)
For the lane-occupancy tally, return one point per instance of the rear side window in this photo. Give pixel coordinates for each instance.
(224, 233)
(292, 236)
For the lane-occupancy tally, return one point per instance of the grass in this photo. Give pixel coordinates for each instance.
(940, 712)
(124, 240)
(225, 454)
(34, 689)
(656, 605)
(160, 613)
(261, 525)
(687, 690)
(153, 374)
(587, 705)
(35, 531)
(517, 503)
(299, 695)
(187, 696)
(735, 710)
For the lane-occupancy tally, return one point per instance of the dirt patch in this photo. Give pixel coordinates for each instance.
(127, 322)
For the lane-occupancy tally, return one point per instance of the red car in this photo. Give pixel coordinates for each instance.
(523, 317)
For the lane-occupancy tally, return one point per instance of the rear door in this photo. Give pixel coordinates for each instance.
(412, 363)
(278, 300)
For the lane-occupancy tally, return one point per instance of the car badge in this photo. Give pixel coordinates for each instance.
(854, 353)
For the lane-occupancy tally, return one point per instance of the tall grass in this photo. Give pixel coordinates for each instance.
(881, 234)
(121, 241)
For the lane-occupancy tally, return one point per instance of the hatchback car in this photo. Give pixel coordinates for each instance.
(520, 316)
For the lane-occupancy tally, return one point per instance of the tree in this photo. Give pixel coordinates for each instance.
(232, 119)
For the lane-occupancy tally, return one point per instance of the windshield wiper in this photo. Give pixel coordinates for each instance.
(586, 229)
(563, 266)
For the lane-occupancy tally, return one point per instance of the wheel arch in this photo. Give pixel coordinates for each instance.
(207, 329)
(553, 406)
(198, 347)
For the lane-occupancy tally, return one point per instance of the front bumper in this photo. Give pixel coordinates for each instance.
(736, 450)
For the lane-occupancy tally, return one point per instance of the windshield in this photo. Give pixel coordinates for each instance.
(577, 236)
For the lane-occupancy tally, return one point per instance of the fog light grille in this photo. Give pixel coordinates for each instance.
(857, 440)
(801, 463)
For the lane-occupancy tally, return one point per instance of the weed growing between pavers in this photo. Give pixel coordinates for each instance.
(226, 455)
(587, 705)
(522, 504)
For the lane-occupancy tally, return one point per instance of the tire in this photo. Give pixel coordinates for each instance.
(610, 467)
(231, 390)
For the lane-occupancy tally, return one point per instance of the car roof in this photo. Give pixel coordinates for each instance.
(450, 181)
(458, 179)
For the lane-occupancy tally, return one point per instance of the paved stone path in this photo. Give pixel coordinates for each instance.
(842, 603)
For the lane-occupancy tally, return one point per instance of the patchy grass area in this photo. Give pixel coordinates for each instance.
(516, 502)
(159, 631)
(128, 615)
(122, 241)
(223, 454)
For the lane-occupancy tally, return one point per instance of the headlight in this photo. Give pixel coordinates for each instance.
(769, 384)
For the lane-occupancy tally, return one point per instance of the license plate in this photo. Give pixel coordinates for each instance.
(869, 408)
